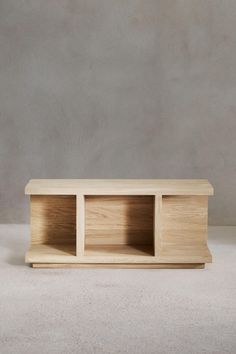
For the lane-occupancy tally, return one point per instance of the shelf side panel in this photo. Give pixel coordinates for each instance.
(184, 224)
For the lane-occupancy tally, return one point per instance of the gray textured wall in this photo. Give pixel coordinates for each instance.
(117, 88)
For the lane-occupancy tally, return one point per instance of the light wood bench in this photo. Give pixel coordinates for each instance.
(119, 223)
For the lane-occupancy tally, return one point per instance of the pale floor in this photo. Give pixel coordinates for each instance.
(117, 310)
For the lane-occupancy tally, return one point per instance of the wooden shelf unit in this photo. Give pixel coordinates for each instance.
(119, 223)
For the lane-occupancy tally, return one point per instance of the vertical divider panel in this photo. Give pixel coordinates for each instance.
(80, 225)
(157, 224)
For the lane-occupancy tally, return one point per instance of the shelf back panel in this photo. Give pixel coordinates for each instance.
(119, 220)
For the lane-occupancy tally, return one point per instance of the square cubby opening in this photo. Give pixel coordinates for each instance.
(53, 223)
(119, 225)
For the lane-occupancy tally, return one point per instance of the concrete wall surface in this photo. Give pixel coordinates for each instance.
(117, 89)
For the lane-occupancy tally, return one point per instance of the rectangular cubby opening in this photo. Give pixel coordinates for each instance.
(119, 225)
(53, 224)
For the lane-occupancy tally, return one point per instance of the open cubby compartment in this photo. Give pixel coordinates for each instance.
(119, 225)
(53, 224)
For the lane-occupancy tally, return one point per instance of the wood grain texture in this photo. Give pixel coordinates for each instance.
(119, 220)
(53, 219)
(115, 254)
(80, 225)
(120, 186)
(120, 266)
(157, 223)
(184, 224)
(118, 250)
(124, 230)
(184, 219)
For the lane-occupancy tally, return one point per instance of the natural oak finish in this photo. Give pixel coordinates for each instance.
(157, 224)
(53, 219)
(130, 223)
(116, 254)
(80, 224)
(184, 224)
(119, 186)
(184, 220)
(125, 265)
(119, 220)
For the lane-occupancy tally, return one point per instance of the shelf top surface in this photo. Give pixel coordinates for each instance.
(119, 186)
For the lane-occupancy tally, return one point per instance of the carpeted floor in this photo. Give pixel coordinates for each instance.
(117, 310)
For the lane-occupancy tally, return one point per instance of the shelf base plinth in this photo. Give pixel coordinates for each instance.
(121, 265)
